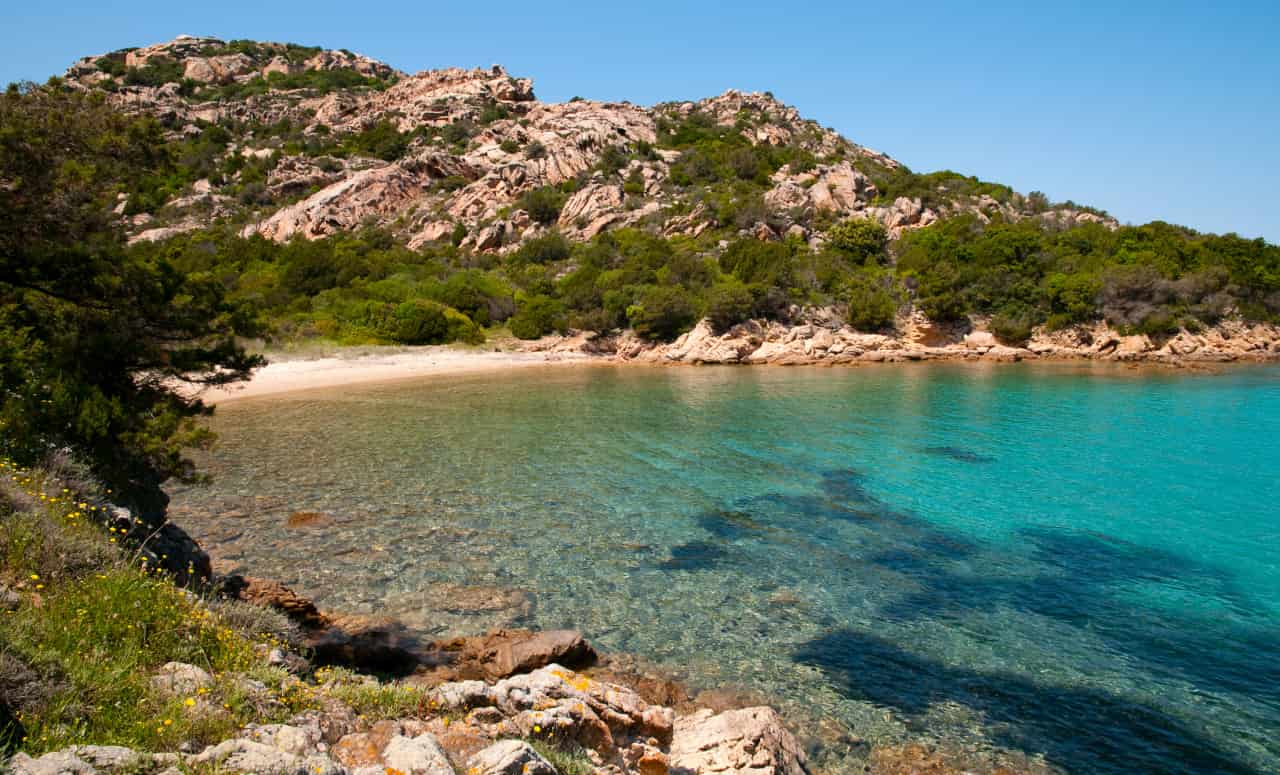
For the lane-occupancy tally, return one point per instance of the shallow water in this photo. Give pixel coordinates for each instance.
(1079, 562)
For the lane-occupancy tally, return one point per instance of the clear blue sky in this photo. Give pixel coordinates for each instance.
(1151, 110)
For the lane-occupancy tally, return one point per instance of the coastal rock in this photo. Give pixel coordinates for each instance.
(502, 653)
(420, 755)
(751, 741)
(509, 757)
(558, 702)
(272, 594)
(54, 763)
(507, 653)
(240, 755)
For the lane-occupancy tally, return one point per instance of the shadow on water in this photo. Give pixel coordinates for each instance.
(958, 453)
(1087, 581)
(1081, 729)
(694, 556)
(1081, 580)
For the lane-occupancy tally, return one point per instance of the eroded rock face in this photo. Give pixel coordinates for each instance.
(751, 741)
(480, 141)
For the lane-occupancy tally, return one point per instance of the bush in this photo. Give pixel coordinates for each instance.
(872, 301)
(382, 140)
(861, 239)
(612, 160)
(156, 72)
(536, 316)
(1013, 326)
(663, 313)
(418, 322)
(535, 150)
(728, 304)
(545, 249)
(543, 204)
(754, 261)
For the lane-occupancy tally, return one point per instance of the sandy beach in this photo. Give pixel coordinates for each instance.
(287, 373)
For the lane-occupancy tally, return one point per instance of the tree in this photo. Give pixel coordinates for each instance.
(728, 304)
(873, 301)
(664, 312)
(105, 348)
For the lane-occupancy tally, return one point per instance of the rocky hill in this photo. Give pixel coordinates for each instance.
(302, 141)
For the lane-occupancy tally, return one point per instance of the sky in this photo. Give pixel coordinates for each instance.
(1150, 110)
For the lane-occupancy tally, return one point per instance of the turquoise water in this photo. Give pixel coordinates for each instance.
(1078, 563)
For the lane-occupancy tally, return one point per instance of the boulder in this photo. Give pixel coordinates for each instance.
(180, 679)
(55, 763)
(509, 757)
(511, 652)
(750, 741)
(240, 755)
(420, 755)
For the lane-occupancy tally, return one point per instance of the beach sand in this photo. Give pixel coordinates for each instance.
(287, 373)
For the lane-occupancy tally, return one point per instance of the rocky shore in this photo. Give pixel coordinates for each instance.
(511, 702)
(821, 338)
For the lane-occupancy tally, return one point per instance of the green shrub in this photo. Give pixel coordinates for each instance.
(418, 322)
(728, 304)
(543, 249)
(156, 72)
(861, 239)
(536, 316)
(535, 150)
(1013, 326)
(872, 301)
(612, 160)
(383, 140)
(755, 261)
(543, 204)
(663, 313)
(509, 146)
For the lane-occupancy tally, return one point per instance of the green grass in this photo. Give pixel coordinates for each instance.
(567, 759)
(372, 699)
(92, 629)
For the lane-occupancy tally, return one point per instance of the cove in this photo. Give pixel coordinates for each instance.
(1078, 562)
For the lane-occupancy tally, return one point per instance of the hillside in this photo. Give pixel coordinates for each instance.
(334, 196)
(311, 142)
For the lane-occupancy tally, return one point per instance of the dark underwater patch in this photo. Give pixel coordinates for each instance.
(1080, 729)
(694, 556)
(958, 453)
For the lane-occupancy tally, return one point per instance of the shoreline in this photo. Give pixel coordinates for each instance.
(357, 366)
(287, 373)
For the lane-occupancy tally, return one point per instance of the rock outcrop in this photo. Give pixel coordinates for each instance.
(483, 729)
(478, 140)
(915, 338)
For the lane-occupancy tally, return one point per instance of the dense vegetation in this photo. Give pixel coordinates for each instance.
(96, 340)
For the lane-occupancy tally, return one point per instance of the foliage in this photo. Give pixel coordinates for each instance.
(543, 204)
(97, 338)
(544, 249)
(729, 303)
(861, 239)
(536, 316)
(872, 300)
(663, 312)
